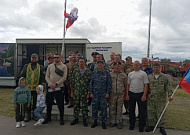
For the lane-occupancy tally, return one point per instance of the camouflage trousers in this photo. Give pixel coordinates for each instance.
(154, 109)
(116, 108)
(77, 102)
(99, 98)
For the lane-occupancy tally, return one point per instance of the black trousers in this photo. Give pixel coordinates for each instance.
(66, 94)
(20, 112)
(59, 96)
(133, 98)
(33, 105)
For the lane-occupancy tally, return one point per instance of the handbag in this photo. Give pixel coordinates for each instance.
(58, 71)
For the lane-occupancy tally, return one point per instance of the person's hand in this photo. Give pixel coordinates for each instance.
(53, 86)
(91, 95)
(170, 99)
(127, 97)
(143, 98)
(107, 96)
(88, 95)
(15, 106)
(28, 105)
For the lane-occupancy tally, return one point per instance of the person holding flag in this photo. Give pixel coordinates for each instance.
(159, 88)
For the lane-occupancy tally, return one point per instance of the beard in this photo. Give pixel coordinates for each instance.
(34, 63)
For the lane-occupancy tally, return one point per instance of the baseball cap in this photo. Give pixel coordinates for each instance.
(34, 55)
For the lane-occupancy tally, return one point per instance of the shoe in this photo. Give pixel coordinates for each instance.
(66, 103)
(150, 128)
(70, 106)
(94, 124)
(27, 120)
(46, 121)
(23, 124)
(141, 129)
(40, 121)
(75, 121)
(61, 121)
(85, 124)
(112, 124)
(119, 125)
(17, 124)
(126, 113)
(131, 127)
(162, 131)
(103, 125)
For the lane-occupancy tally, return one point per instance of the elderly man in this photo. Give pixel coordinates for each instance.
(80, 82)
(55, 76)
(100, 85)
(119, 81)
(159, 88)
(137, 86)
(34, 74)
(145, 67)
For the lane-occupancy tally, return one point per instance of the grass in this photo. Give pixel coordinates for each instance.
(177, 113)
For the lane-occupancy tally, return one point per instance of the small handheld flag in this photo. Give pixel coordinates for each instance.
(185, 81)
(72, 17)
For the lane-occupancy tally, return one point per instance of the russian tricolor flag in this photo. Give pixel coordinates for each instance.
(185, 81)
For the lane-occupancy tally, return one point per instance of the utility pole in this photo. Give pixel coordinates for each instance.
(148, 51)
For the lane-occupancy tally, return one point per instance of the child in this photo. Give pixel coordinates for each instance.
(40, 105)
(21, 99)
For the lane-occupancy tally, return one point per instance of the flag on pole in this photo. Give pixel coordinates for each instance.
(72, 17)
(185, 81)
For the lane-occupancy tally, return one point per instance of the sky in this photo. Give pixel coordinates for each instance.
(123, 21)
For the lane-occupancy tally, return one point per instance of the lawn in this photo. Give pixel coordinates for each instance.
(177, 114)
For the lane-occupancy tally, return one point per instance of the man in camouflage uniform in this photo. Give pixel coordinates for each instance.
(159, 86)
(73, 65)
(100, 85)
(80, 81)
(128, 69)
(119, 81)
(117, 58)
(35, 75)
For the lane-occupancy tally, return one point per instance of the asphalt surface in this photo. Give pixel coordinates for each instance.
(7, 127)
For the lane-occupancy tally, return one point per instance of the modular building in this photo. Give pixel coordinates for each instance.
(23, 48)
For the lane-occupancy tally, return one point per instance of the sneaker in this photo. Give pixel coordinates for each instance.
(39, 122)
(23, 124)
(103, 125)
(162, 131)
(150, 128)
(112, 124)
(75, 121)
(46, 121)
(94, 124)
(17, 124)
(119, 125)
(85, 124)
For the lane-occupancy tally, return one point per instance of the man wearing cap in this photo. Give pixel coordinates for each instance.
(100, 85)
(92, 64)
(128, 69)
(80, 82)
(159, 88)
(34, 74)
(118, 90)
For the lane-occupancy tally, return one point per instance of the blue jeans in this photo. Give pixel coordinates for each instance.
(38, 112)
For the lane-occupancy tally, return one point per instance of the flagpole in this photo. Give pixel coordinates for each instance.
(64, 33)
(165, 108)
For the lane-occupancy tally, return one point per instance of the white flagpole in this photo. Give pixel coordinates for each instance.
(64, 33)
(165, 109)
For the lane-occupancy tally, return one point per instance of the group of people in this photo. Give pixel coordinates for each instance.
(113, 83)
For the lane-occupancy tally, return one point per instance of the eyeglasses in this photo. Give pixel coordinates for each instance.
(117, 63)
(56, 57)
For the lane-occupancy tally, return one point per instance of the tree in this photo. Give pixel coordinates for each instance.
(165, 59)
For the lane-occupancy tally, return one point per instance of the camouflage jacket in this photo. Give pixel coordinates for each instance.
(159, 88)
(128, 69)
(80, 82)
(119, 81)
(71, 69)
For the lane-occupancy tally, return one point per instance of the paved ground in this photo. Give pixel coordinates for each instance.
(7, 127)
